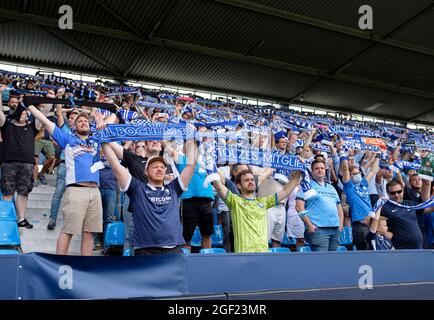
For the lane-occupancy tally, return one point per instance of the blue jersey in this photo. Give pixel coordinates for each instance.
(79, 155)
(67, 130)
(156, 214)
(358, 199)
(402, 222)
(322, 208)
(195, 187)
(378, 242)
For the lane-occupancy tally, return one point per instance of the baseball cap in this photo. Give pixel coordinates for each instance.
(154, 159)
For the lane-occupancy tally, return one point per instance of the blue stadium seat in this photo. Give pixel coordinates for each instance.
(214, 212)
(281, 249)
(304, 249)
(212, 250)
(288, 242)
(217, 237)
(346, 236)
(196, 240)
(114, 234)
(185, 250)
(9, 251)
(7, 211)
(341, 248)
(9, 235)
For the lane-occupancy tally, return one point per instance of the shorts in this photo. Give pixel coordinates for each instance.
(82, 210)
(294, 226)
(46, 146)
(197, 212)
(17, 176)
(276, 218)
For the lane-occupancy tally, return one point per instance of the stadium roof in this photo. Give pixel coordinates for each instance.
(299, 51)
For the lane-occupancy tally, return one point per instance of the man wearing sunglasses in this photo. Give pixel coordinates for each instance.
(402, 222)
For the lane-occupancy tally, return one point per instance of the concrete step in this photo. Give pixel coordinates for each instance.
(37, 212)
(39, 239)
(40, 196)
(44, 189)
(42, 204)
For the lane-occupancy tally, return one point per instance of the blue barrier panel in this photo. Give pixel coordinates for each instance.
(254, 272)
(45, 276)
(9, 266)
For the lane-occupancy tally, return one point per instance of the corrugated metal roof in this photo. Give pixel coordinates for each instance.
(420, 31)
(233, 29)
(373, 65)
(84, 11)
(187, 68)
(358, 99)
(143, 15)
(387, 14)
(216, 45)
(32, 44)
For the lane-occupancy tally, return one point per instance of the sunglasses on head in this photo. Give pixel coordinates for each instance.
(395, 192)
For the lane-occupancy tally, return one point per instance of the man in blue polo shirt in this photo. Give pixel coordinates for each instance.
(322, 213)
(157, 226)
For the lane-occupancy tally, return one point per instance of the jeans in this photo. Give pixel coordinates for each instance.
(108, 198)
(228, 235)
(323, 239)
(128, 223)
(58, 193)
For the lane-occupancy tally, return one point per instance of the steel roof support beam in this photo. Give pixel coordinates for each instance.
(217, 53)
(421, 115)
(88, 53)
(290, 16)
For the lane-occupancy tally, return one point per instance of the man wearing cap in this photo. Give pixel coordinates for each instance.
(157, 226)
(81, 203)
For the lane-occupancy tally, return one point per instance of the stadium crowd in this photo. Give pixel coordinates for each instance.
(167, 188)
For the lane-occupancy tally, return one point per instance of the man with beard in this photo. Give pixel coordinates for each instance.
(81, 205)
(249, 214)
(157, 227)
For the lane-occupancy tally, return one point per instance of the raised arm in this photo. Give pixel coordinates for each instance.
(222, 191)
(289, 187)
(264, 175)
(121, 173)
(341, 216)
(50, 126)
(118, 150)
(344, 169)
(188, 171)
(369, 159)
(374, 167)
(375, 220)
